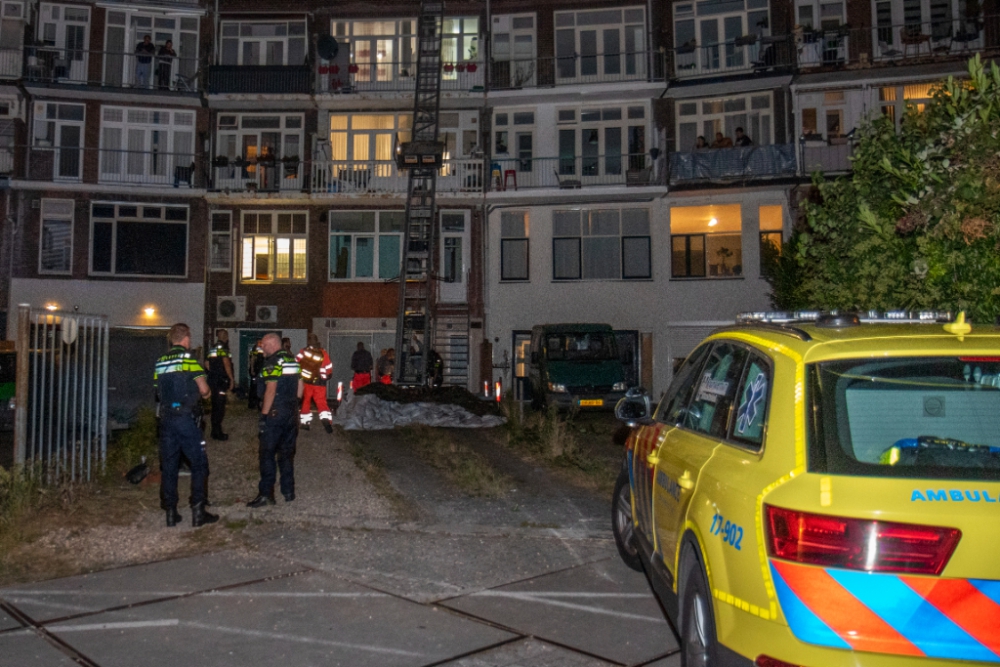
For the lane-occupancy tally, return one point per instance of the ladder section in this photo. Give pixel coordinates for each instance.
(422, 157)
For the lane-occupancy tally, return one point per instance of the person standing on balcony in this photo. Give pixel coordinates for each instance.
(722, 141)
(700, 144)
(144, 52)
(164, 64)
(742, 140)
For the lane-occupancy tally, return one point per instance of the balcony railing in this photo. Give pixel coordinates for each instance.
(11, 63)
(72, 164)
(733, 164)
(829, 158)
(113, 69)
(574, 172)
(264, 79)
(577, 69)
(382, 177)
(744, 54)
(390, 77)
(258, 175)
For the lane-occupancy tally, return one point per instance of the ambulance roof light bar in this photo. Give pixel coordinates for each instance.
(869, 317)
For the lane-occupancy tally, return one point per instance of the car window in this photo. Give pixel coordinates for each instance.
(675, 401)
(751, 409)
(716, 392)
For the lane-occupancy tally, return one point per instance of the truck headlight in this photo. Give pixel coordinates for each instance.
(557, 388)
(619, 386)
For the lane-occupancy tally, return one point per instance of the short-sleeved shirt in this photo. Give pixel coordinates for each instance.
(175, 379)
(282, 368)
(216, 361)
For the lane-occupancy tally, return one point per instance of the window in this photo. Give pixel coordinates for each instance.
(820, 15)
(138, 240)
(939, 19)
(513, 41)
(56, 246)
(894, 99)
(601, 244)
(125, 29)
(64, 36)
(809, 126)
(673, 407)
(11, 36)
(750, 419)
(365, 137)
(519, 125)
(274, 246)
(366, 245)
(263, 42)
(601, 141)
(514, 245)
(59, 127)
(770, 233)
(459, 42)
(382, 50)
(706, 117)
(705, 241)
(711, 405)
(264, 148)
(601, 43)
(147, 145)
(706, 33)
(222, 241)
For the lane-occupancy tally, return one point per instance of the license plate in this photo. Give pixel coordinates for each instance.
(591, 402)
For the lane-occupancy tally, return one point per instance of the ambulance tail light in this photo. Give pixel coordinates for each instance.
(858, 544)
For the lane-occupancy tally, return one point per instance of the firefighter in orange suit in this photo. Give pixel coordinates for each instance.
(316, 371)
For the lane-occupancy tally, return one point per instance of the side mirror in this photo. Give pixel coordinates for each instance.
(634, 408)
(534, 357)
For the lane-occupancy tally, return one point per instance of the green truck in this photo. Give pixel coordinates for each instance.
(576, 366)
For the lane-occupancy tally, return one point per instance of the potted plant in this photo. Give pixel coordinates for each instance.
(449, 67)
(352, 68)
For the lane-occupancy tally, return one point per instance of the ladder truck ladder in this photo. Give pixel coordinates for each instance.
(422, 157)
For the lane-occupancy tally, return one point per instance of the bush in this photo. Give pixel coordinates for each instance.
(130, 446)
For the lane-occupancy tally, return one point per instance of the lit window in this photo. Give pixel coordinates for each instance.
(706, 241)
(274, 247)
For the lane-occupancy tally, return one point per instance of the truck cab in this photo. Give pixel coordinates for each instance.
(575, 366)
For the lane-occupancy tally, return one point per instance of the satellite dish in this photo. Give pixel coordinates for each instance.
(327, 47)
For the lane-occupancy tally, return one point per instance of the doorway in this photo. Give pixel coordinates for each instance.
(454, 269)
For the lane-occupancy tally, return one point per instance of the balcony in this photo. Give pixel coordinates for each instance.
(830, 158)
(727, 165)
(750, 53)
(572, 173)
(260, 79)
(109, 69)
(577, 70)
(156, 169)
(257, 175)
(11, 63)
(382, 177)
(392, 77)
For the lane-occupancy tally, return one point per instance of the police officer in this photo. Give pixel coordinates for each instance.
(316, 370)
(181, 384)
(254, 361)
(281, 382)
(220, 380)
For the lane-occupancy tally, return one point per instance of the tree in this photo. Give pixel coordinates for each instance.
(916, 225)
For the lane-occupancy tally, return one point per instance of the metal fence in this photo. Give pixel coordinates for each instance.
(62, 393)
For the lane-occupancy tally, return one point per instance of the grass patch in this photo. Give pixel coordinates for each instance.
(237, 525)
(373, 467)
(465, 468)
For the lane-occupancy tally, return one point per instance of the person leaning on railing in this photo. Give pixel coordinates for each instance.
(144, 52)
(164, 62)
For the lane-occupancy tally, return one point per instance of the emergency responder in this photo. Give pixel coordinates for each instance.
(386, 366)
(254, 361)
(316, 371)
(361, 364)
(220, 380)
(278, 429)
(181, 384)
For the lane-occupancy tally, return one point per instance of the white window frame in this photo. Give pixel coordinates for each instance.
(393, 41)
(127, 155)
(514, 42)
(704, 114)
(722, 54)
(129, 25)
(515, 230)
(510, 125)
(630, 60)
(229, 138)
(588, 221)
(143, 216)
(902, 95)
(939, 26)
(273, 238)
(231, 32)
(344, 137)
(220, 246)
(822, 17)
(376, 235)
(706, 235)
(629, 117)
(47, 134)
(460, 41)
(50, 211)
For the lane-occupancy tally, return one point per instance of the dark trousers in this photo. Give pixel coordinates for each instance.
(219, 389)
(179, 434)
(253, 400)
(277, 442)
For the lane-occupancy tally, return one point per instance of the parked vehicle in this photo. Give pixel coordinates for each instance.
(576, 366)
(822, 491)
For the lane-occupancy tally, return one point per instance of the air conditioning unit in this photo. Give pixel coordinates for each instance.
(231, 308)
(501, 24)
(267, 314)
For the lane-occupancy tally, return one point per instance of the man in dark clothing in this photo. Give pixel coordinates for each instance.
(742, 139)
(220, 380)
(278, 427)
(144, 52)
(361, 364)
(180, 383)
(254, 362)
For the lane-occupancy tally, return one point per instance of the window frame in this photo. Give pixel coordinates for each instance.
(768, 364)
(402, 63)
(58, 124)
(214, 234)
(174, 129)
(718, 119)
(71, 219)
(568, 20)
(582, 269)
(274, 236)
(401, 131)
(240, 39)
(602, 164)
(749, 352)
(376, 234)
(520, 67)
(506, 240)
(137, 219)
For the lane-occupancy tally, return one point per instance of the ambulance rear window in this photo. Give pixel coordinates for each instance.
(920, 417)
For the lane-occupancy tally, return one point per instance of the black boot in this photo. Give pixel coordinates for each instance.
(220, 436)
(173, 516)
(199, 517)
(261, 500)
(328, 426)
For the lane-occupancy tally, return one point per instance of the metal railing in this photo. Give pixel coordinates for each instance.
(11, 63)
(733, 164)
(260, 175)
(383, 177)
(152, 168)
(264, 79)
(744, 54)
(62, 393)
(577, 69)
(572, 172)
(112, 69)
(394, 77)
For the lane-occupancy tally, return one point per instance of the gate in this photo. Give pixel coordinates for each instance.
(62, 393)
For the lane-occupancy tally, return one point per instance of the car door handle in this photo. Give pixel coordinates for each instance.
(685, 481)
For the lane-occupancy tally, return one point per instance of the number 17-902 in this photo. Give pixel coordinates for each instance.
(731, 533)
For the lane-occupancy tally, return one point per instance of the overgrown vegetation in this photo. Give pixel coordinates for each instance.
(465, 468)
(130, 446)
(917, 223)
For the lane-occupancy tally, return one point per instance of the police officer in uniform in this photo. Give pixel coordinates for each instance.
(316, 370)
(220, 380)
(181, 384)
(279, 388)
